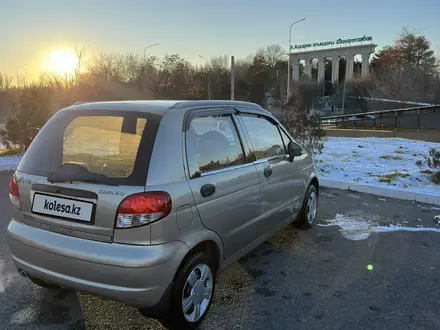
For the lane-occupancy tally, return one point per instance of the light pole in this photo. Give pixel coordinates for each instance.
(149, 47)
(144, 68)
(288, 60)
(209, 78)
(345, 82)
(21, 66)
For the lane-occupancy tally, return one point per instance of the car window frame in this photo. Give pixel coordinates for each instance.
(227, 112)
(282, 129)
(270, 120)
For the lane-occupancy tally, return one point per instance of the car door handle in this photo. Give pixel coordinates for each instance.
(207, 190)
(267, 172)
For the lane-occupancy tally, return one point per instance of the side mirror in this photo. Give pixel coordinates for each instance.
(293, 150)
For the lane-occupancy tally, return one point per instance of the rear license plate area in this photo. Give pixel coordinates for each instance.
(60, 207)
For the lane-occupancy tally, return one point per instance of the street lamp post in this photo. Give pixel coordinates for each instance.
(144, 67)
(21, 66)
(345, 82)
(288, 61)
(209, 78)
(149, 47)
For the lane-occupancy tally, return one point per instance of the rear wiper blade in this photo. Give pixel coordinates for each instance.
(71, 165)
(69, 172)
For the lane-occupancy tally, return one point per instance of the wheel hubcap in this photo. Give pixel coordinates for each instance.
(312, 206)
(197, 293)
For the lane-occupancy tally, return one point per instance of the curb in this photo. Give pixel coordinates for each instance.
(8, 167)
(381, 191)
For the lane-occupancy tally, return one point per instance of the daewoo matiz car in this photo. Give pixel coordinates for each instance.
(145, 202)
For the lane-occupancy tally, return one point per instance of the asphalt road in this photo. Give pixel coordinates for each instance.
(316, 279)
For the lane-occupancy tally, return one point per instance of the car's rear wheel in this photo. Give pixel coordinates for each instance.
(192, 293)
(309, 209)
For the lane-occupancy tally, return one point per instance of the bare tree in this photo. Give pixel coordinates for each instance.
(296, 117)
(359, 90)
(272, 54)
(5, 83)
(242, 66)
(220, 73)
(405, 83)
(161, 77)
(220, 63)
(80, 65)
(109, 66)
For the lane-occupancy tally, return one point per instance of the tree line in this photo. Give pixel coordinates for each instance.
(405, 70)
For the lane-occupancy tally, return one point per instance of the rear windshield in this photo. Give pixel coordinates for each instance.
(116, 144)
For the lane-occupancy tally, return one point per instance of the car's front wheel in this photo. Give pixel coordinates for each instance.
(192, 293)
(309, 209)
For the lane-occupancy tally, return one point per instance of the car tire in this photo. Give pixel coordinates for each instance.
(193, 288)
(309, 209)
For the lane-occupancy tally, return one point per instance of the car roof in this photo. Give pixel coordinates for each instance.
(160, 107)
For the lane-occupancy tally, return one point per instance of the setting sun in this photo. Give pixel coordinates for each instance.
(62, 61)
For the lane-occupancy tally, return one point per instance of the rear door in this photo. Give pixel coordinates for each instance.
(223, 180)
(282, 187)
(81, 166)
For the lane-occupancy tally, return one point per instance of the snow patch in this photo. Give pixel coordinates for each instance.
(8, 163)
(378, 162)
(5, 277)
(10, 160)
(360, 226)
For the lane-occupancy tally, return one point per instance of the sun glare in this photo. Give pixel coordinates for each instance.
(62, 61)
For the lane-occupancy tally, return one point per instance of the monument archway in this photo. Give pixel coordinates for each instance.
(348, 52)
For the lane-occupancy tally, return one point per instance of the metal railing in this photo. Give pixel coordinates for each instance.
(415, 118)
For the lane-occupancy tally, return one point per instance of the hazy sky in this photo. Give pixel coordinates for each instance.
(31, 29)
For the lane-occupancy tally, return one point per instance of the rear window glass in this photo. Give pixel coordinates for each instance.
(114, 144)
(100, 144)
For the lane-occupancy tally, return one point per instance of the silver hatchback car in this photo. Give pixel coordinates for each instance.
(145, 202)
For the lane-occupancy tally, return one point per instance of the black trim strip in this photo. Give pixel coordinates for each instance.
(64, 191)
(205, 112)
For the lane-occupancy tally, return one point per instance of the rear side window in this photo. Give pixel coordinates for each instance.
(114, 144)
(212, 143)
(265, 137)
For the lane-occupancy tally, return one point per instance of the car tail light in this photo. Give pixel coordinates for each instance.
(142, 209)
(14, 194)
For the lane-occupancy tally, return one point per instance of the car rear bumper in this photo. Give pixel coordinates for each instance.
(136, 275)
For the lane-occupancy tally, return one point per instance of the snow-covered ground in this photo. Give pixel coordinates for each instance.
(381, 162)
(374, 161)
(360, 225)
(8, 160)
